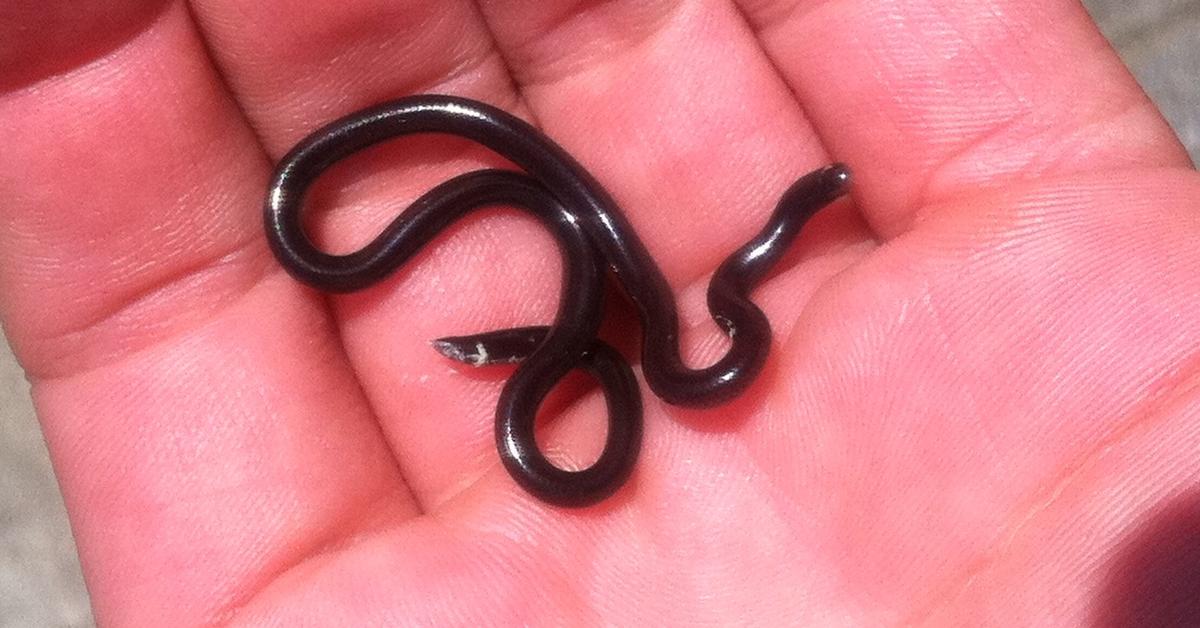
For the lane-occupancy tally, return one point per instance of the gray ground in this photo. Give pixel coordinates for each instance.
(40, 583)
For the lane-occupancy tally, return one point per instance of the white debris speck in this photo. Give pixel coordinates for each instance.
(481, 355)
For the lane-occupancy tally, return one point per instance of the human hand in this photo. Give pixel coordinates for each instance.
(984, 370)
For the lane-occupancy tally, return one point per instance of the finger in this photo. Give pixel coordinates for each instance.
(295, 66)
(205, 428)
(674, 108)
(932, 99)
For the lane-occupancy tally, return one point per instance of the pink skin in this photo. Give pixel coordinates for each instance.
(984, 378)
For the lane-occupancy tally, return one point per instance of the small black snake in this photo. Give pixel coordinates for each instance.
(592, 234)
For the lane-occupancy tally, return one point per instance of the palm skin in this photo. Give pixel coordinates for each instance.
(983, 376)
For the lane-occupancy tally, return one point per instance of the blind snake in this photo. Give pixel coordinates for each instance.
(592, 234)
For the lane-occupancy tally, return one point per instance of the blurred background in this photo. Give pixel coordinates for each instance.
(40, 583)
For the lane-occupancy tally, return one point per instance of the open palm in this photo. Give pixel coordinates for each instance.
(985, 367)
